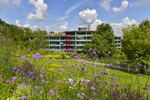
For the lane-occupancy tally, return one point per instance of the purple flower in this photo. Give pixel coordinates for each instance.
(46, 49)
(138, 64)
(43, 68)
(86, 81)
(107, 70)
(136, 55)
(115, 84)
(23, 97)
(106, 82)
(23, 57)
(94, 53)
(16, 68)
(79, 96)
(109, 52)
(61, 69)
(37, 56)
(14, 78)
(98, 52)
(136, 70)
(22, 84)
(79, 69)
(41, 75)
(101, 72)
(111, 77)
(34, 93)
(36, 87)
(41, 92)
(94, 66)
(95, 94)
(58, 81)
(96, 75)
(36, 68)
(29, 49)
(71, 82)
(52, 92)
(43, 81)
(85, 64)
(90, 49)
(92, 88)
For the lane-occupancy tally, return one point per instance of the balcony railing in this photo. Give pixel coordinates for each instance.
(117, 40)
(118, 43)
(79, 44)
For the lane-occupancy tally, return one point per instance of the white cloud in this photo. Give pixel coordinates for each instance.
(74, 7)
(35, 27)
(18, 23)
(9, 3)
(50, 28)
(62, 18)
(88, 16)
(15, 3)
(95, 24)
(105, 4)
(117, 27)
(77, 5)
(3, 3)
(142, 2)
(26, 25)
(123, 6)
(40, 8)
(64, 26)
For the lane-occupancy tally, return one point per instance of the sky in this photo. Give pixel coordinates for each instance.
(68, 15)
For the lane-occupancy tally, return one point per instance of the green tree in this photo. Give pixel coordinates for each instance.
(103, 40)
(19, 35)
(136, 44)
(39, 39)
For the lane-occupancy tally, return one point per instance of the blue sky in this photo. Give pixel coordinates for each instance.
(62, 15)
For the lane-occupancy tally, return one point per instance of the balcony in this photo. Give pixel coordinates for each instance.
(83, 40)
(117, 40)
(67, 44)
(67, 40)
(67, 35)
(79, 44)
(54, 40)
(84, 35)
(54, 44)
(118, 47)
(117, 43)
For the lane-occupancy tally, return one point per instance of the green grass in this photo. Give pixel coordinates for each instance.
(122, 77)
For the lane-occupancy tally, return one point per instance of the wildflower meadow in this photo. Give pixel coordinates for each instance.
(46, 75)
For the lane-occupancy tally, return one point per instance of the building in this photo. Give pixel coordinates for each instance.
(73, 40)
(118, 42)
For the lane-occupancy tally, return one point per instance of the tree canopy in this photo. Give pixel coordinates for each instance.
(136, 43)
(21, 35)
(103, 40)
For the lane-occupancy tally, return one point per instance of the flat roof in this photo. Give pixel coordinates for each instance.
(78, 31)
(55, 35)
